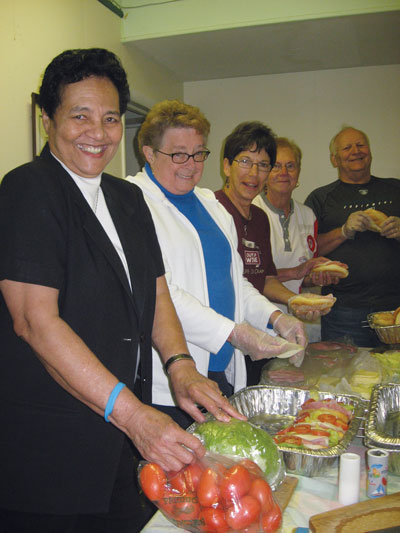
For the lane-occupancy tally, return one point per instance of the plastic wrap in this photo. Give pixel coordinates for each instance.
(216, 493)
(338, 368)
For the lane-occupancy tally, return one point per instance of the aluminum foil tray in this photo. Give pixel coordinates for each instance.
(382, 428)
(272, 408)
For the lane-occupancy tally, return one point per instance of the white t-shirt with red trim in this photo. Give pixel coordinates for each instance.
(295, 245)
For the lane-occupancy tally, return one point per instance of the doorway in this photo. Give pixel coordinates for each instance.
(134, 117)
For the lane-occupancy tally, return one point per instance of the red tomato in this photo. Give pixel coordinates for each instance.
(252, 467)
(212, 520)
(208, 491)
(192, 475)
(152, 480)
(235, 484)
(289, 439)
(244, 513)
(261, 491)
(167, 502)
(186, 507)
(331, 419)
(254, 528)
(271, 521)
(177, 481)
(302, 428)
(341, 424)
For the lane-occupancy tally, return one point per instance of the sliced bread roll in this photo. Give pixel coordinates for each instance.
(312, 300)
(332, 266)
(377, 219)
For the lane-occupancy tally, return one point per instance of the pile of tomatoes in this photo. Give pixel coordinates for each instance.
(209, 496)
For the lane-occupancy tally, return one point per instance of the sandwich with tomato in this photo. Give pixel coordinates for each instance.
(319, 424)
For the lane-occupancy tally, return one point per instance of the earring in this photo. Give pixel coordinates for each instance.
(227, 183)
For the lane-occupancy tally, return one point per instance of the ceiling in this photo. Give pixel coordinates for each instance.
(329, 43)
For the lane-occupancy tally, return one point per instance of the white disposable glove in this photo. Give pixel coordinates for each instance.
(259, 344)
(293, 330)
(357, 221)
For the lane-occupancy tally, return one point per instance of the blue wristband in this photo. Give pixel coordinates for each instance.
(111, 400)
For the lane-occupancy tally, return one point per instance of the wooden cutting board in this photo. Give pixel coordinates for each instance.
(285, 490)
(370, 515)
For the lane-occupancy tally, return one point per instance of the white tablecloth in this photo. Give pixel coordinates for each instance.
(312, 496)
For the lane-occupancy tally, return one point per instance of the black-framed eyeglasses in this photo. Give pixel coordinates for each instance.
(182, 157)
(290, 167)
(248, 164)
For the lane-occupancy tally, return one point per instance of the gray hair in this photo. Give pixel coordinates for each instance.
(332, 144)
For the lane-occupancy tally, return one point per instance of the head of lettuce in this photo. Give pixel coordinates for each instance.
(241, 439)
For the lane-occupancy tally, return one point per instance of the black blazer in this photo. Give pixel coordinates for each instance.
(61, 457)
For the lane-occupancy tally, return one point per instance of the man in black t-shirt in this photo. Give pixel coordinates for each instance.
(344, 235)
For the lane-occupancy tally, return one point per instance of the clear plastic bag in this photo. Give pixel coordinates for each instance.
(214, 494)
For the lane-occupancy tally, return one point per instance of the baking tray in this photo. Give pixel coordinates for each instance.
(382, 427)
(272, 408)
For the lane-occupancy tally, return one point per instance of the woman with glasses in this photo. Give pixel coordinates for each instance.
(249, 156)
(293, 225)
(203, 269)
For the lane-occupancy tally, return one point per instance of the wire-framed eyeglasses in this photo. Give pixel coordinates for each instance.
(248, 164)
(182, 157)
(290, 167)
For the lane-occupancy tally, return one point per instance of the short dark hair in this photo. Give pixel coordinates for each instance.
(72, 66)
(248, 134)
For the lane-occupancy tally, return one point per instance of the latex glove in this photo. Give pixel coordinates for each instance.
(311, 312)
(256, 343)
(391, 228)
(293, 330)
(357, 221)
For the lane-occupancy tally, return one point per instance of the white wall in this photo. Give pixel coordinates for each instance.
(32, 32)
(308, 107)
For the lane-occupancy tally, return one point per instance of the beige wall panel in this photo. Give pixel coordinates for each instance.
(309, 107)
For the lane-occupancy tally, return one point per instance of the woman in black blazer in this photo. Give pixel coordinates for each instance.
(83, 297)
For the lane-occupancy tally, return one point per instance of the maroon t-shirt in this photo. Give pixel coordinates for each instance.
(254, 244)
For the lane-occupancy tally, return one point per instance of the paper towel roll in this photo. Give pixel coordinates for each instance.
(349, 478)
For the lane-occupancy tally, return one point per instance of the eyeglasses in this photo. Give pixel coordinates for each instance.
(248, 165)
(181, 157)
(290, 167)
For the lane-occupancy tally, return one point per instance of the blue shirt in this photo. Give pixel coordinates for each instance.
(217, 259)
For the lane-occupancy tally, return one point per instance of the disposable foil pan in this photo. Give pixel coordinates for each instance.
(382, 428)
(272, 408)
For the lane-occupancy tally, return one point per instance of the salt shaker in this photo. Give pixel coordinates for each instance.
(349, 478)
(377, 469)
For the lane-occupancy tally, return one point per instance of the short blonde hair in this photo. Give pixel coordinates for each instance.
(170, 114)
(284, 142)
